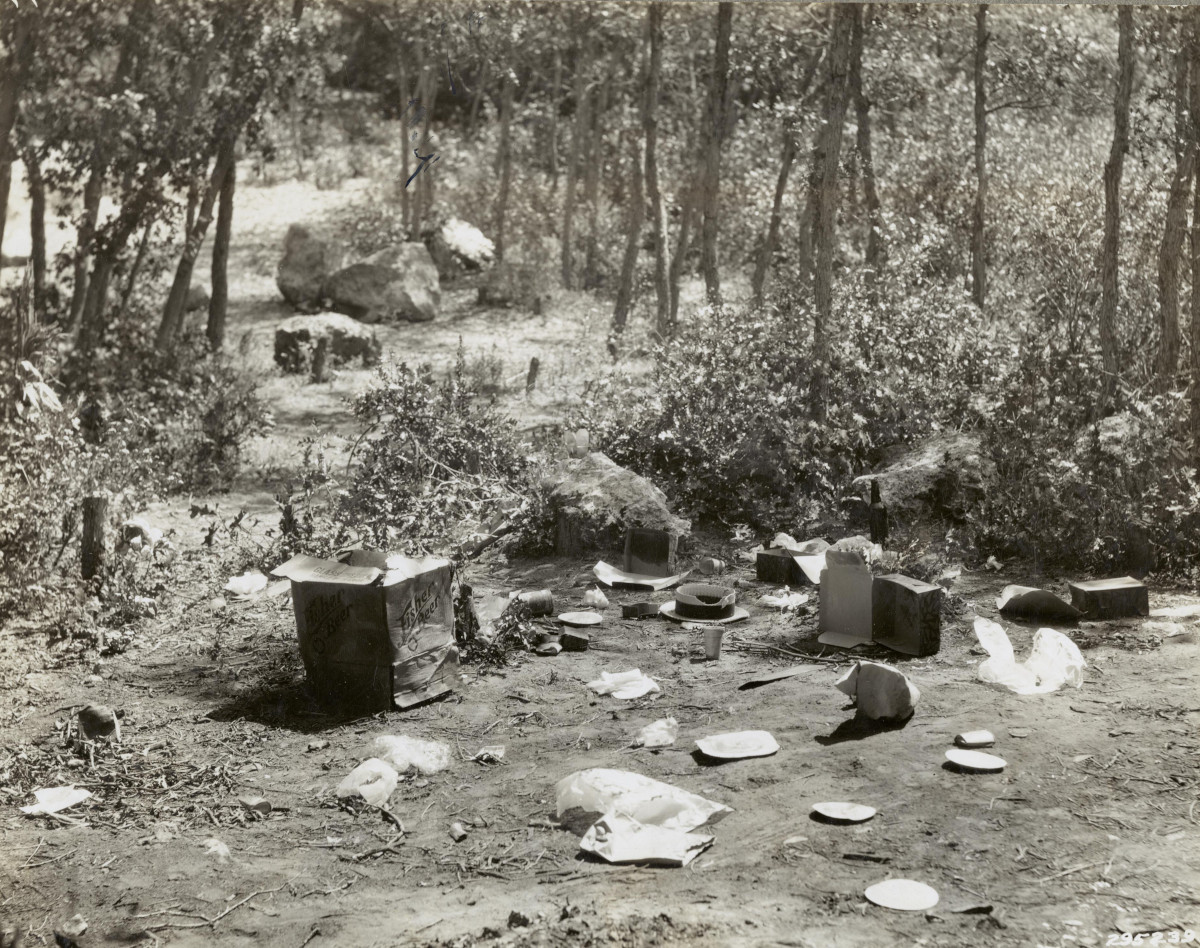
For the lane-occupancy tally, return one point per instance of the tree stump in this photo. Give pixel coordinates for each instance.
(95, 515)
(531, 380)
(320, 360)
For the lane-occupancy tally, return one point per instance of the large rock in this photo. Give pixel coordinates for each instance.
(594, 500)
(457, 246)
(307, 261)
(373, 293)
(296, 338)
(511, 284)
(411, 257)
(947, 473)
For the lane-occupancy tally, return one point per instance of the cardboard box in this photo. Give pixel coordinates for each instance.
(1110, 598)
(371, 638)
(845, 613)
(907, 615)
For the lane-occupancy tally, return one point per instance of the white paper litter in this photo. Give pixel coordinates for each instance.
(54, 799)
(214, 847)
(785, 600)
(373, 780)
(662, 733)
(611, 576)
(403, 753)
(650, 802)
(1053, 662)
(594, 597)
(624, 685)
(739, 744)
(879, 691)
(812, 566)
(248, 584)
(785, 541)
(620, 839)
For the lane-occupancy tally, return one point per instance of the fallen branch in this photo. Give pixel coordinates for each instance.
(211, 922)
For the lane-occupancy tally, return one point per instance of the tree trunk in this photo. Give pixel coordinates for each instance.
(131, 278)
(1194, 114)
(687, 214)
(978, 246)
(91, 327)
(717, 120)
(658, 218)
(578, 133)
(554, 106)
(595, 167)
(218, 303)
(172, 315)
(767, 252)
(37, 230)
(633, 241)
(12, 78)
(823, 186)
(505, 161)
(92, 548)
(1171, 248)
(92, 192)
(862, 108)
(1112, 206)
(473, 114)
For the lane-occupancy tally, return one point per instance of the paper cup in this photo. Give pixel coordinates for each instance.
(712, 642)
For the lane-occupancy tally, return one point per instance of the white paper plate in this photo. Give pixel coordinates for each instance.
(975, 739)
(849, 812)
(581, 619)
(903, 894)
(738, 744)
(975, 760)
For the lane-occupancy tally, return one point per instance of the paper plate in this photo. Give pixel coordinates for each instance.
(903, 894)
(975, 760)
(668, 609)
(846, 812)
(738, 744)
(580, 618)
(975, 739)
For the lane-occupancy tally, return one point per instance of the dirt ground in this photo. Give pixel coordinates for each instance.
(1091, 831)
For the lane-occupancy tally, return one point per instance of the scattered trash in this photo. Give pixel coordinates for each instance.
(55, 799)
(256, 804)
(710, 566)
(624, 685)
(845, 611)
(548, 649)
(621, 839)
(844, 812)
(795, 840)
(611, 576)
(595, 598)
(574, 641)
(458, 832)
(1018, 732)
(975, 739)
(649, 552)
(316, 746)
(1189, 611)
(662, 733)
(993, 564)
(214, 847)
(785, 541)
(491, 754)
(246, 585)
(540, 602)
(774, 676)
(702, 602)
(639, 610)
(581, 619)
(906, 615)
(871, 552)
(903, 894)
(1034, 603)
(1110, 598)
(375, 638)
(1053, 662)
(737, 745)
(518, 919)
(403, 753)
(650, 802)
(880, 692)
(74, 927)
(785, 600)
(217, 604)
(712, 643)
(975, 760)
(96, 721)
(778, 566)
(373, 780)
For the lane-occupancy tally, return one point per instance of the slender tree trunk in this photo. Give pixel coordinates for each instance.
(91, 323)
(1194, 115)
(658, 217)
(554, 106)
(37, 229)
(578, 134)
(505, 159)
(688, 210)
(480, 86)
(718, 94)
(978, 245)
(85, 235)
(633, 241)
(406, 136)
(1175, 225)
(767, 253)
(594, 170)
(218, 303)
(823, 185)
(1112, 206)
(13, 70)
(93, 546)
(131, 279)
(862, 109)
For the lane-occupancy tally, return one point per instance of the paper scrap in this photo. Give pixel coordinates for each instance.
(621, 839)
(54, 799)
(624, 685)
(611, 576)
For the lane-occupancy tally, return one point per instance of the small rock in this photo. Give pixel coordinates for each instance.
(96, 721)
(518, 919)
(316, 746)
(458, 832)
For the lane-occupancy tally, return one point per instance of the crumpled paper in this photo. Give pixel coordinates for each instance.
(880, 692)
(620, 839)
(661, 733)
(54, 799)
(651, 802)
(785, 600)
(1054, 661)
(404, 753)
(373, 780)
(624, 685)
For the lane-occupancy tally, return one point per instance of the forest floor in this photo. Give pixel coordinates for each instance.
(1092, 830)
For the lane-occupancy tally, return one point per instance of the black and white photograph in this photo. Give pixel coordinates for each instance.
(519, 473)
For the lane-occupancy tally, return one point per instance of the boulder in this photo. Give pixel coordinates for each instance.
(307, 261)
(511, 284)
(947, 473)
(412, 256)
(197, 298)
(594, 500)
(457, 246)
(296, 338)
(373, 293)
